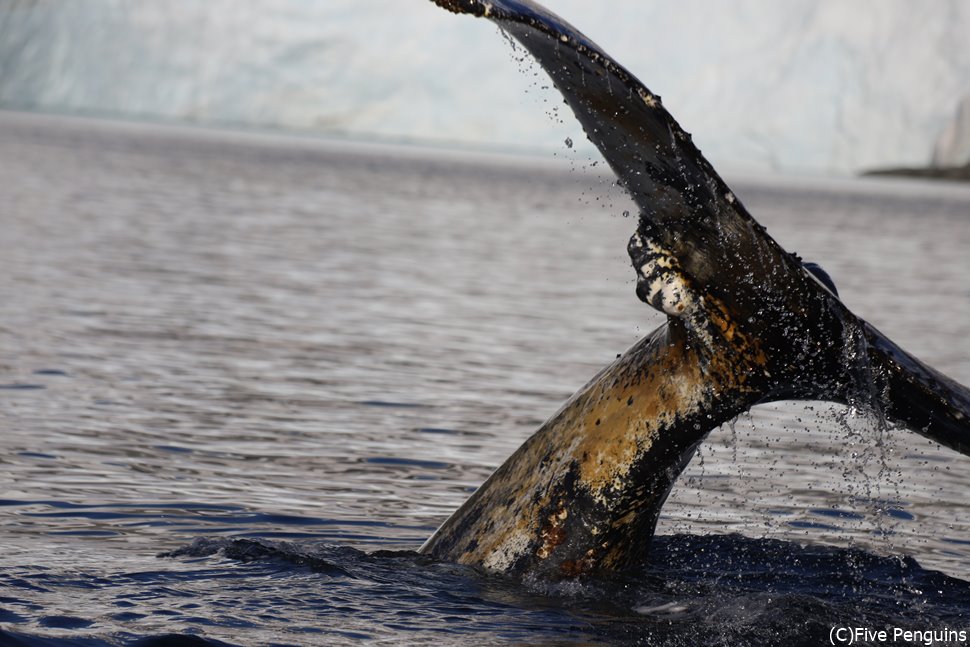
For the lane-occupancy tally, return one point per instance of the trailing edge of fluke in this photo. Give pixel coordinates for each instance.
(746, 324)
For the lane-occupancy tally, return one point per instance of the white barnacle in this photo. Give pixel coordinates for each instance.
(675, 296)
(729, 197)
(564, 38)
(511, 549)
(649, 99)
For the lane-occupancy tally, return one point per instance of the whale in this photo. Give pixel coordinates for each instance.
(747, 323)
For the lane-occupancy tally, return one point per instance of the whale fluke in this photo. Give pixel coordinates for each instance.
(747, 323)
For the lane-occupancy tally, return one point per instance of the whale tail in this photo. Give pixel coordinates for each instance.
(747, 323)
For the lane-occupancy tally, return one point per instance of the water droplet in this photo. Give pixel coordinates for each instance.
(569, 142)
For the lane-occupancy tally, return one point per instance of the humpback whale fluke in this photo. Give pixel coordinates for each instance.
(747, 323)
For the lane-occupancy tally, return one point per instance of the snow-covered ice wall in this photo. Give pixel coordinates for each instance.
(825, 86)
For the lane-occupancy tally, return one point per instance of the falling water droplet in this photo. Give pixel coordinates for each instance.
(569, 142)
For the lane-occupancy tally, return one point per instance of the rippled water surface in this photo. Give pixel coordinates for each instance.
(283, 363)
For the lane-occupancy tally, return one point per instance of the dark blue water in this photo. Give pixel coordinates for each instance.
(244, 378)
(714, 590)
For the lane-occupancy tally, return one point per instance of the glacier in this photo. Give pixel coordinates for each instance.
(803, 86)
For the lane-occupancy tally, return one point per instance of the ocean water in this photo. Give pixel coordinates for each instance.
(243, 377)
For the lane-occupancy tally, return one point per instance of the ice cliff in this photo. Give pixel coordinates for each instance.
(824, 86)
